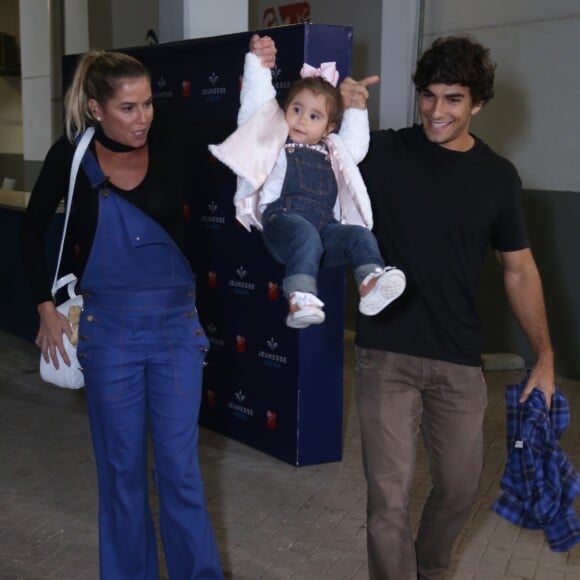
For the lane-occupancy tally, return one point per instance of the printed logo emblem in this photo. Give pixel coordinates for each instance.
(213, 92)
(271, 358)
(276, 72)
(211, 220)
(277, 79)
(161, 91)
(213, 337)
(239, 407)
(241, 286)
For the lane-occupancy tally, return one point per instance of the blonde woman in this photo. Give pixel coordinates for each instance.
(141, 343)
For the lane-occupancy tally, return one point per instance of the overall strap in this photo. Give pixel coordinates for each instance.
(93, 170)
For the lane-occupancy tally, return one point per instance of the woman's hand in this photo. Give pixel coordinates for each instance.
(354, 93)
(264, 48)
(49, 338)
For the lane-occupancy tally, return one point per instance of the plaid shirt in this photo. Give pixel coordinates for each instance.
(539, 483)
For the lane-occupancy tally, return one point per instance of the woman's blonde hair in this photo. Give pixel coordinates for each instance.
(97, 76)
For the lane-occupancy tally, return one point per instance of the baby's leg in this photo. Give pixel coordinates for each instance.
(378, 284)
(293, 241)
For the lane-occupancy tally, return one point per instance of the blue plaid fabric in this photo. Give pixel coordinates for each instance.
(539, 483)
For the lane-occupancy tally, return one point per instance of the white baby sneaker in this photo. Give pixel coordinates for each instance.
(389, 284)
(305, 309)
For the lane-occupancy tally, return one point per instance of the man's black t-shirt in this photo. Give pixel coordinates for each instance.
(435, 212)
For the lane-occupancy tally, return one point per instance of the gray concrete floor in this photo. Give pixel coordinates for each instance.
(272, 521)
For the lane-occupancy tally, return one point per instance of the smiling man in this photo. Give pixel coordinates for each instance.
(440, 196)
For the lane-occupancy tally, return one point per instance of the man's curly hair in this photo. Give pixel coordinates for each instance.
(457, 60)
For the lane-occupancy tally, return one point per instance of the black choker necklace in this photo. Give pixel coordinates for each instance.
(111, 144)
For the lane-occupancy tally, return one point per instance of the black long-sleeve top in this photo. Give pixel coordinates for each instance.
(176, 158)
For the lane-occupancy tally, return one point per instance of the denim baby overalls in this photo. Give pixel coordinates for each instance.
(309, 188)
(142, 349)
(300, 230)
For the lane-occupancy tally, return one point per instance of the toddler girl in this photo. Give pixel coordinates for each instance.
(299, 183)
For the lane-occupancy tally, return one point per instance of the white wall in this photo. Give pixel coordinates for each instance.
(366, 26)
(10, 115)
(11, 140)
(536, 44)
(131, 19)
(76, 26)
(36, 21)
(185, 19)
(532, 120)
(204, 18)
(445, 15)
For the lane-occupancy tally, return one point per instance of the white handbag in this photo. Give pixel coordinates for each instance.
(68, 377)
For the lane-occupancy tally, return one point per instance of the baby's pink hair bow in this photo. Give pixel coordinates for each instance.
(327, 71)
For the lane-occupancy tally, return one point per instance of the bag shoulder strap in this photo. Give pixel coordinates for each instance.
(80, 150)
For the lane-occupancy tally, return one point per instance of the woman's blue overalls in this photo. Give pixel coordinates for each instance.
(300, 230)
(142, 349)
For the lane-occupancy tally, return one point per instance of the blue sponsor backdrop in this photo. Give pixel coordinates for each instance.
(274, 388)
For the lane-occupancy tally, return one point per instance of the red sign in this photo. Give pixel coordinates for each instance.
(295, 13)
(212, 279)
(271, 420)
(211, 399)
(272, 291)
(240, 343)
